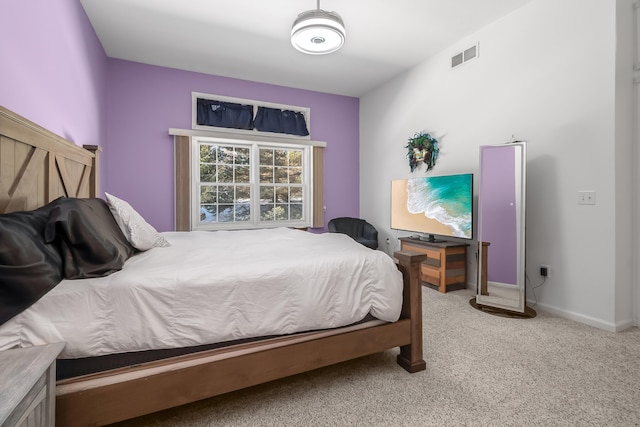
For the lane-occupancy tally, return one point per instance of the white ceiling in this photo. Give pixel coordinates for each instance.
(249, 39)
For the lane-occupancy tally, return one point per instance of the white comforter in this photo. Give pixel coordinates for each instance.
(212, 287)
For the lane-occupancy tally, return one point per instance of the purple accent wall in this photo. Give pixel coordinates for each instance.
(53, 68)
(498, 206)
(144, 101)
(55, 73)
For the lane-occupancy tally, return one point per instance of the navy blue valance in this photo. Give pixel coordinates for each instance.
(281, 121)
(240, 116)
(224, 114)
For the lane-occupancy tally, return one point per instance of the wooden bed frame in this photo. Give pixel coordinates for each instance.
(37, 166)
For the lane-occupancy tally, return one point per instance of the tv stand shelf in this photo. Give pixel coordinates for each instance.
(445, 268)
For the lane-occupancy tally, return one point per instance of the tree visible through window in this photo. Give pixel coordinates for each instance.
(280, 184)
(225, 190)
(249, 185)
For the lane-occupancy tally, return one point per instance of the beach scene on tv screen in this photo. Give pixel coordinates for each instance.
(436, 205)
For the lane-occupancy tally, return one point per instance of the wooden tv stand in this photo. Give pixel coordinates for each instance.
(445, 268)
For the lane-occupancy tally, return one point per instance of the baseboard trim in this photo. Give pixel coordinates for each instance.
(581, 318)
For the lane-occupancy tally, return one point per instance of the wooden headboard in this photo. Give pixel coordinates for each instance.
(38, 166)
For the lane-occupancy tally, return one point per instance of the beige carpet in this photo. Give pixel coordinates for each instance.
(482, 370)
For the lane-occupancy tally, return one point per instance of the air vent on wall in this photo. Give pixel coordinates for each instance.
(465, 56)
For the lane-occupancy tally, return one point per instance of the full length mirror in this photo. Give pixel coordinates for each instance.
(501, 227)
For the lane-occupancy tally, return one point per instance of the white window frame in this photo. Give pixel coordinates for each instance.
(255, 145)
(194, 115)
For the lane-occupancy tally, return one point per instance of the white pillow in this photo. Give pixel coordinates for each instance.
(138, 232)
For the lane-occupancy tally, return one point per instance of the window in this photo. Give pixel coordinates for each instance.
(250, 184)
(241, 170)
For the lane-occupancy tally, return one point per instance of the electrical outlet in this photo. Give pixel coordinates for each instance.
(545, 271)
(388, 241)
(586, 197)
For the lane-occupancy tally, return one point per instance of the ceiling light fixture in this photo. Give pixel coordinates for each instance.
(318, 32)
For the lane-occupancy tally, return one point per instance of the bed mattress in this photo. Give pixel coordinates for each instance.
(211, 287)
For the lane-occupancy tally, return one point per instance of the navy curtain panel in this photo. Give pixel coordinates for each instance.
(281, 121)
(224, 114)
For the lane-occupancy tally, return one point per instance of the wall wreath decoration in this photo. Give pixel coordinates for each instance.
(422, 147)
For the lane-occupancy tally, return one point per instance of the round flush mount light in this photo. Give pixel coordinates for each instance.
(318, 32)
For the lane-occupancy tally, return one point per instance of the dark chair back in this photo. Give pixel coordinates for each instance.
(358, 229)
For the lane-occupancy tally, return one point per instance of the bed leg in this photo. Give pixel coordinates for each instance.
(410, 357)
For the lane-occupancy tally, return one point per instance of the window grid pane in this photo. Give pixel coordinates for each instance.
(225, 177)
(281, 174)
(225, 184)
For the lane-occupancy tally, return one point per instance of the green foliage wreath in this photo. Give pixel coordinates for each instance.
(422, 147)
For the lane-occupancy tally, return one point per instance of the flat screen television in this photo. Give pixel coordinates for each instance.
(434, 206)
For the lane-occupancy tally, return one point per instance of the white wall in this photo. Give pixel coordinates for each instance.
(624, 164)
(636, 171)
(546, 74)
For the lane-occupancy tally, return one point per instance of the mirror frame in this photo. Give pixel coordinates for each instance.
(520, 159)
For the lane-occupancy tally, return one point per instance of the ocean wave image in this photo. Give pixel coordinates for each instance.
(446, 199)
